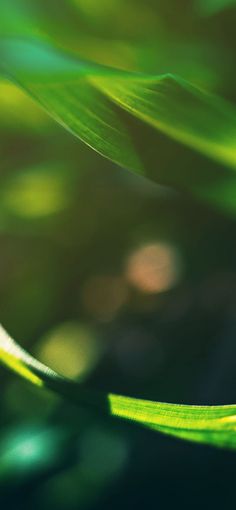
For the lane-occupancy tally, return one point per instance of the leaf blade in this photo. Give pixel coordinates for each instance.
(213, 425)
(132, 119)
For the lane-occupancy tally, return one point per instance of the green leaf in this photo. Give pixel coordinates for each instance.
(144, 123)
(213, 425)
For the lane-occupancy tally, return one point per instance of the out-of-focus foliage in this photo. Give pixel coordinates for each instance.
(210, 7)
(127, 286)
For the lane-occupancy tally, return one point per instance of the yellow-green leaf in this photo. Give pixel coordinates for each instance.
(213, 425)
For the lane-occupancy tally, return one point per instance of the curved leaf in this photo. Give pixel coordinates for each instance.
(214, 425)
(143, 123)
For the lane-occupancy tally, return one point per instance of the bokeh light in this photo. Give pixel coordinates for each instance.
(26, 449)
(18, 111)
(153, 268)
(103, 452)
(71, 349)
(35, 193)
(102, 455)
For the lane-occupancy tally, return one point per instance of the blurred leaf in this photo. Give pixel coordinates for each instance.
(112, 111)
(210, 7)
(214, 425)
(17, 20)
(148, 44)
(86, 16)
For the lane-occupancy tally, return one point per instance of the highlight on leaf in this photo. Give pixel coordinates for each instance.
(140, 122)
(213, 425)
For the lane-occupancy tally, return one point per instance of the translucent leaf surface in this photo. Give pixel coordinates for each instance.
(214, 425)
(141, 122)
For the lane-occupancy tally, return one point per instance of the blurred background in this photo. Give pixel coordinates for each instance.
(121, 284)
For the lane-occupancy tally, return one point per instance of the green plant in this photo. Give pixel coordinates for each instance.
(122, 115)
